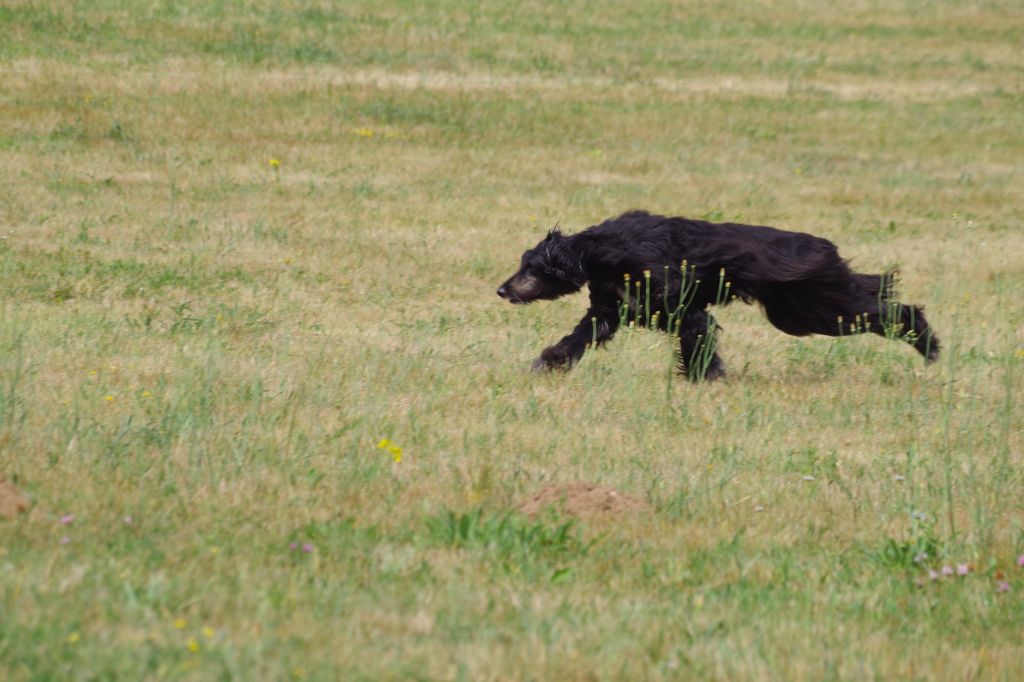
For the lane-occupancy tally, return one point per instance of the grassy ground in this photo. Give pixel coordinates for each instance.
(201, 349)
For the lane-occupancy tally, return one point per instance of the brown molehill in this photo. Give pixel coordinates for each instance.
(12, 502)
(581, 499)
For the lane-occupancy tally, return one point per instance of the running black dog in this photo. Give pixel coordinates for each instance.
(662, 272)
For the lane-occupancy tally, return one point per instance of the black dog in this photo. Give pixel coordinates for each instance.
(680, 267)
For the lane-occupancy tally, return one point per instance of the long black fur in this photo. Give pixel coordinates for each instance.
(800, 280)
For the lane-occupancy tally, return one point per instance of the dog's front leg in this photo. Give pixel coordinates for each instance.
(599, 324)
(698, 359)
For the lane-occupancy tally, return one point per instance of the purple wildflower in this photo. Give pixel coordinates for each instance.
(307, 548)
(293, 546)
(1020, 560)
(947, 570)
(67, 518)
(1003, 586)
(963, 569)
(933, 574)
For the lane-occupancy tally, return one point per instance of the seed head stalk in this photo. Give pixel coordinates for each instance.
(638, 317)
(624, 312)
(687, 291)
(647, 298)
(664, 295)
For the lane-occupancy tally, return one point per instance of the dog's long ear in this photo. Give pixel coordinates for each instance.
(561, 260)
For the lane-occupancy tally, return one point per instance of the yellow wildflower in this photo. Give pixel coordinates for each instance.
(207, 632)
(73, 637)
(192, 644)
(396, 452)
(180, 624)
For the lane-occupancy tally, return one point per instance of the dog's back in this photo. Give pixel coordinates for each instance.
(756, 254)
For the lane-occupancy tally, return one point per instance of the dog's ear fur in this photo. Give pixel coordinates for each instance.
(562, 262)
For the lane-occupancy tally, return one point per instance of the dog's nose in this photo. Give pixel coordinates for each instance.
(502, 291)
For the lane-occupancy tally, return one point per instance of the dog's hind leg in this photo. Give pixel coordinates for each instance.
(599, 324)
(800, 309)
(907, 323)
(832, 310)
(892, 319)
(698, 338)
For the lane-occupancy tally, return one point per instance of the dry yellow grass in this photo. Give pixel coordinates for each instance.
(201, 349)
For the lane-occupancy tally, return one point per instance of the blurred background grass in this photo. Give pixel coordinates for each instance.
(201, 349)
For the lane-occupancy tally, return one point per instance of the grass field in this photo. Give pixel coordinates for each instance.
(243, 242)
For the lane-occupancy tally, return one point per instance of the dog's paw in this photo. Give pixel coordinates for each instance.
(553, 357)
(539, 366)
(714, 372)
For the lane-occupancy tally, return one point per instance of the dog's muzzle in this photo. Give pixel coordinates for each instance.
(509, 293)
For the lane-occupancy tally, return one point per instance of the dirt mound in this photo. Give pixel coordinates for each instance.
(582, 500)
(12, 502)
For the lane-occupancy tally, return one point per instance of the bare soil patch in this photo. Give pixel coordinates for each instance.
(581, 499)
(12, 502)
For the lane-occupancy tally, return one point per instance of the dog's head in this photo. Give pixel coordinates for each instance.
(547, 271)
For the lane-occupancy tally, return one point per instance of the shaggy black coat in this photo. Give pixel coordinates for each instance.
(666, 273)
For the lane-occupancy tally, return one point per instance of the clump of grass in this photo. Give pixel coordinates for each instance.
(517, 542)
(921, 547)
